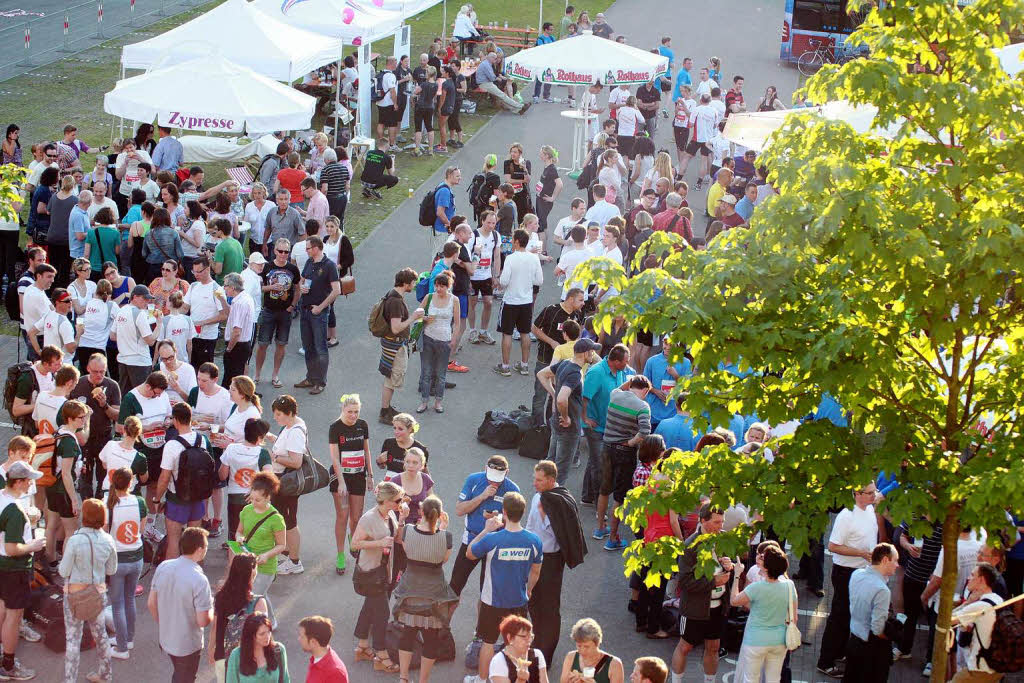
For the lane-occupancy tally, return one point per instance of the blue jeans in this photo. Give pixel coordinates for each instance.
(562, 448)
(122, 601)
(537, 89)
(314, 341)
(433, 367)
(592, 475)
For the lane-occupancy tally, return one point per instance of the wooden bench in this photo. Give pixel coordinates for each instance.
(513, 38)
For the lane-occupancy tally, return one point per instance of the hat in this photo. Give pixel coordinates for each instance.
(142, 290)
(728, 198)
(584, 345)
(63, 297)
(256, 258)
(22, 470)
(599, 15)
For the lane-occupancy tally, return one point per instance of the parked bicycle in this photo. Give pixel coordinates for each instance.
(822, 53)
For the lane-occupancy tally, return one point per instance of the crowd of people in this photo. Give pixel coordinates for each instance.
(150, 301)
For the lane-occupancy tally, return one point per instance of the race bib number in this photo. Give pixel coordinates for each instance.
(539, 187)
(243, 477)
(485, 263)
(127, 532)
(353, 464)
(154, 438)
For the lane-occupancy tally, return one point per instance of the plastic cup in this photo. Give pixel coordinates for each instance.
(214, 429)
(589, 671)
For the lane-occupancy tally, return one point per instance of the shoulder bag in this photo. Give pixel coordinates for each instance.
(308, 477)
(373, 582)
(86, 604)
(793, 637)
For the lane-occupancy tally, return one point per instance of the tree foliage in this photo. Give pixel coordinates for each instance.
(11, 180)
(885, 273)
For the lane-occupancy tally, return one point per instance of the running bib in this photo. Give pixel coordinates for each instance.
(353, 464)
(154, 438)
(539, 187)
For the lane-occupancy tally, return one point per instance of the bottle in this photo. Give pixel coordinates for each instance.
(410, 193)
(506, 23)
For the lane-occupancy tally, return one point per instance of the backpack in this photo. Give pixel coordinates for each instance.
(378, 324)
(475, 186)
(480, 193)
(259, 168)
(377, 92)
(1005, 651)
(14, 374)
(233, 629)
(428, 207)
(45, 457)
(197, 471)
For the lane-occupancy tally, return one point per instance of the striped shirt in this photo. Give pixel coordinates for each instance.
(920, 568)
(336, 177)
(628, 415)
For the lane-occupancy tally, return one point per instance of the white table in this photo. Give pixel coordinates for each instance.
(581, 124)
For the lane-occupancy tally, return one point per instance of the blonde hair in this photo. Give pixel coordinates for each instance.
(663, 165)
(320, 137)
(529, 218)
(67, 183)
(515, 145)
(549, 151)
(408, 421)
(247, 388)
(350, 399)
(388, 492)
(416, 452)
(430, 511)
(258, 186)
(133, 427)
(490, 161)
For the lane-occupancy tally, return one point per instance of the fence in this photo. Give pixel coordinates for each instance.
(28, 41)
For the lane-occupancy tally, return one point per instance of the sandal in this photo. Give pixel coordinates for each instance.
(385, 664)
(365, 653)
(421, 408)
(276, 383)
(438, 409)
(331, 343)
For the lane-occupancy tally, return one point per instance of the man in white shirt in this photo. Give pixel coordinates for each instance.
(206, 304)
(617, 98)
(717, 103)
(978, 618)
(34, 305)
(521, 277)
(57, 329)
(573, 255)
(134, 331)
(100, 200)
(238, 329)
(577, 209)
(387, 107)
(602, 211)
(705, 119)
(854, 536)
(178, 513)
(705, 84)
(485, 250)
(253, 281)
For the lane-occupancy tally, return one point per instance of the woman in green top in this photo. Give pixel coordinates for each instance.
(770, 602)
(258, 659)
(102, 243)
(267, 540)
(588, 662)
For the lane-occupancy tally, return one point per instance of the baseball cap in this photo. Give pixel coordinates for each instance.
(22, 470)
(728, 199)
(599, 14)
(63, 297)
(142, 290)
(256, 258)
(584, 345)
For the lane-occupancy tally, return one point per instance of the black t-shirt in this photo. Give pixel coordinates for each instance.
(602, 30)
(461, 276)
(322, 273)
(516, 171)
(375, 166)
(396, 454)
(394, 307)
(403, 93)
(351, 443)
(435, 62)
(460, 80)
(550, 322)
(648, 95)
(287, 275)
(449, 96)
(568, 374)
(99, 424)
(547, 178)
(507, 219)
(427, 97)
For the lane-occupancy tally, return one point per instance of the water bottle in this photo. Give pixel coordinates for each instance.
(506, 23)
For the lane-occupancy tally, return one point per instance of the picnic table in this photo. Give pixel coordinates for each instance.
(511, 37)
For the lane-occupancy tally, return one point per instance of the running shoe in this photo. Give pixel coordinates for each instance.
(486, 338)
(455, 367)
(601, 533)
(27, 633)
(474, 337)
(503, 370)
(616, 545)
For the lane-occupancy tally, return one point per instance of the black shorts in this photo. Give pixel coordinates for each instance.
(153, 464)
(454, 124)
(288, 506)
(515, 316)
(15, 589)
(388, 116)
(355, 484)
(447, 111)
(693, 147)
(697, 631)
(59, 502)
(705, 150)
(682, 136)
(424, 120)
(488, 619)
(274, 326)
(617, 466)
(482, 287)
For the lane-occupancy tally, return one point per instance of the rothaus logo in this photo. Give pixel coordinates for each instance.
(179, 120)
(515, 554)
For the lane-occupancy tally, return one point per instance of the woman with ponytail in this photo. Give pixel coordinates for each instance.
(118, 454)
(245, 406)
(424, 601)
(127, 514)
(548, 188)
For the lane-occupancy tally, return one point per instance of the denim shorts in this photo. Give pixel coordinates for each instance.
(183, 513)
(274, 325)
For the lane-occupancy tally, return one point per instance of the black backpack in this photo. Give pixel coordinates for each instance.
(1005, 651)
(428, 207)
(197, 471)
(377, 93)
(14, 373)
(474, 189)
(11, 302)
(482, 198)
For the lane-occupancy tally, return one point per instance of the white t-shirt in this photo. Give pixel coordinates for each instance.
(204, 304)
(602, 212)
(519, 275)
(234, 426)
(34, 305)
(719, 148)
(253, 284)
(243, 462)
(47, 407)
(630, 120)
(706, 120)
(57, 331)
(572, 257)
(485, 254)
(151, 189)
(130, 180)
(499, 667)
(131, 325)
(615, 254)
(108, 203)
(290, 440)
(299, 254)
(216, 406)
(178, 328)
(718, 106)
(966, 560)
(197, 232)
(76, 294)
(154, 412)
(387, 82)
(618, 96)
(172, 452)
(855, 528)
(704, 88)
(114, 456)
(564, 227)
(186, 380)
(257, 218)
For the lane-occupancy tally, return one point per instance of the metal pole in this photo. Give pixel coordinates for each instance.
(131, 13)
(444, 20)
(540, 21)
(28, 44)
(99, 19)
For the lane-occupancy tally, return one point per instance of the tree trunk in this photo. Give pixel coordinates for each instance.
(950, 535)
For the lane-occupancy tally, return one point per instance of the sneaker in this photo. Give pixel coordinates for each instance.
(515, 335)
(523, 369)
(449, 385)
(284, 565)
(473, 678)
(440, 149)
(588, 503)
(474, 337)
(18, 672)
(302, 351)
(453, 366)
(486, 338)
(927, 671)
(456, 144)
(367, 194)
(835, 671)
(317, 389)
(304, 384)
(118, 654)
(293, 567)
(616, 545)
(526, 108)
(576, 462)
(376, 194)
(533, 337)
(417, 152)
(601, 533)
(215, 527)
(27, 633)
(339, 566)
(897, 655)
(549, 100)
(394, 149)
(699, 184)
(503, 370)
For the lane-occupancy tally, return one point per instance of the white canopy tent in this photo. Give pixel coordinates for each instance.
(227, 98)
(1012, 58)
(246, 36)
(585, 60)
(352, 22)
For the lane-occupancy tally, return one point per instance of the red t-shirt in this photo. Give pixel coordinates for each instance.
(732, 97)
(291, 180)
(733, 221)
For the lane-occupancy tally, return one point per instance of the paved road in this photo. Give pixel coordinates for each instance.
(746, 38)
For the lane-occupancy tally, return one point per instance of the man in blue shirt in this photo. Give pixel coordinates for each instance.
(485, 78)
(544, 38)
(168, 154)
(598, 383)
(665, 50)
(745, 206)
(481, 498)
(78, 225)
(444, 200)
(678, 430)
(514, 556)
(663, 379)
(868, 652)
(682, 78)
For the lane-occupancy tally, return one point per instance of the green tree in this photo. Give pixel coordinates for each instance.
(885, 274)
(12, 179)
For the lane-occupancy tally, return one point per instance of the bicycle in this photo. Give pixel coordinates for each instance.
(810, 61)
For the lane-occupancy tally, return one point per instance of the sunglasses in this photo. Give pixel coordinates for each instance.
(169, 270)
(51, 156)
(282, 251)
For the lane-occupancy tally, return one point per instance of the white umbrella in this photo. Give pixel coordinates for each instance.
(584, 60)
(212, 94)
(348, 20)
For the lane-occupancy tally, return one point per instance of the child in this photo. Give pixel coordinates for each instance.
(118, 454)
(240, 462)
(177, 327)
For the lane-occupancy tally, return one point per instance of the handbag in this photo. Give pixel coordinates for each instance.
(793, 637)
(348, 285)
(86, 604)
(373, 582)
(308, 477)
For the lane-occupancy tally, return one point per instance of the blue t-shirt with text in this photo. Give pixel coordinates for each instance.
(474, 486)
(510, 556)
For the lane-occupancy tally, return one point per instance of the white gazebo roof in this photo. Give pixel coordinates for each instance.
(584, 60)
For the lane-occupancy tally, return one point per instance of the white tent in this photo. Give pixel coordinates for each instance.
(344, 19)
(210, 93)
(584, 60)
(1012, 58)
(244, 35)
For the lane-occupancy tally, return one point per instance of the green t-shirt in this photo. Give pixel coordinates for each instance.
(229, 252)
(263, 539)
(102, 241)
(68, 452)
(12, 525)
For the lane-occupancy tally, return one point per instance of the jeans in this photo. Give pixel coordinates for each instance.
(337, 206)
(73, 635)
(31, 354)
(592, 475)
(912, 590)
(314, 340)
(261, 584)
(433, 367)
(373, 620)
(837, 628)
(537, 89)
(562, 449)
(755, 659)
(122, 601)
(186, 667)
(540, 395)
